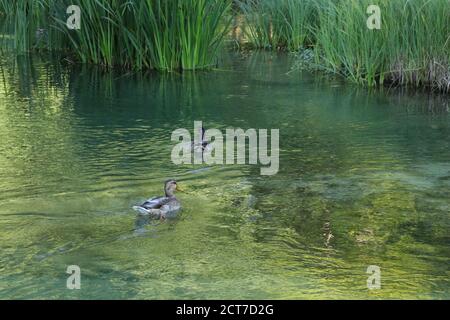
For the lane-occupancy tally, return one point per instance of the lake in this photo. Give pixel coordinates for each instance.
(364, 180)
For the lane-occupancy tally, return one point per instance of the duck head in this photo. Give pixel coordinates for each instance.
(170, 187)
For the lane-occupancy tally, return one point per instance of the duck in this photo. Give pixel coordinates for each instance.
(164, 206)
(202, 145)
(198, 148)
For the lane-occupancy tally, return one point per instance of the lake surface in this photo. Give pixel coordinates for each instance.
(364, 180)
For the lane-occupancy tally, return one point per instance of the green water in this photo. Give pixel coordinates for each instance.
(364, 180)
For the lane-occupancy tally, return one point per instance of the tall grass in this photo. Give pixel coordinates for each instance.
(27, 21)
(278, 23)
(411, 48)
(138, 34)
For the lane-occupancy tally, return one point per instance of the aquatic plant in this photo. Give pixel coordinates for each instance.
(160, 34)
(411, 48)
(278, 23)
(25, 24)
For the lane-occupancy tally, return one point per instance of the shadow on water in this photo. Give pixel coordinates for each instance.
(364, 179)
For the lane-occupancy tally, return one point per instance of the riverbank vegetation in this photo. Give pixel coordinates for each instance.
(412, 47)
(148, 34)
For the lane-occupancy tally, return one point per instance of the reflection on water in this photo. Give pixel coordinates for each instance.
(364, 180)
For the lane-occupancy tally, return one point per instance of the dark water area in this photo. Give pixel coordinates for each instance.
(364, 179)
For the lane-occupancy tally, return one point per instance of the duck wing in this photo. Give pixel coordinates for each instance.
(152, 206)
(155, 203)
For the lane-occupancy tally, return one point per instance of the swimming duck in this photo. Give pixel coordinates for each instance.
(162, 207)
(201, 146)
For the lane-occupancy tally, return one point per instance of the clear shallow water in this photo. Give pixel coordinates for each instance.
(78, 148)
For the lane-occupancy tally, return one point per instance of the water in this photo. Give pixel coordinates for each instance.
(364, 180)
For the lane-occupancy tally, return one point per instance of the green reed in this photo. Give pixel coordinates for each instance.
(411, 48)
(281, 24)
(160, 34)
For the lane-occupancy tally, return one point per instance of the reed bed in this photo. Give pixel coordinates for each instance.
(278, 24)
(137, 34)
(412, 47)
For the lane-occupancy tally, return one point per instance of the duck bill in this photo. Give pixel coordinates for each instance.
(179, 189)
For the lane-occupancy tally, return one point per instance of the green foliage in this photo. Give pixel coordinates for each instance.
(411, 48)
(160, 34)
(278, 23)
